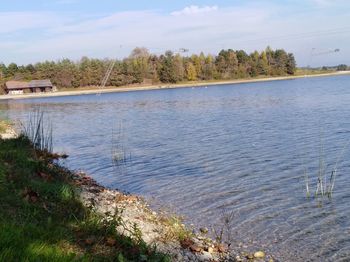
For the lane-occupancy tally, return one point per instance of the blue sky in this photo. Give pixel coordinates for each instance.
(36, 30)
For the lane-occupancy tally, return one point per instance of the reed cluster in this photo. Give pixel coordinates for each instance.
(325, 183)
(38, 131)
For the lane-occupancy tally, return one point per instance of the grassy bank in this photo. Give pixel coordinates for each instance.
(42, 218)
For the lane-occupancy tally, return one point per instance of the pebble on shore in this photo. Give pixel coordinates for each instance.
(259, 254)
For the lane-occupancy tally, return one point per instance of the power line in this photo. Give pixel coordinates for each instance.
(293, 36)
(312, 34)
(325, 52)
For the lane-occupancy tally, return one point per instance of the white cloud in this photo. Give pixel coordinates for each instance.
(194, 9)
(57, 35)
(115, 20)
(15, 21)
(158, 32)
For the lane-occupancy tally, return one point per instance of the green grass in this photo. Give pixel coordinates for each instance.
(4, 125)
(42, 219)
(312, 71)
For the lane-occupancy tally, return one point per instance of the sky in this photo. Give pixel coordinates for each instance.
(38, 30)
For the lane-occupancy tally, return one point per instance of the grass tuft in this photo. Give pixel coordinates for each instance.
(39, 131)
(324, 186)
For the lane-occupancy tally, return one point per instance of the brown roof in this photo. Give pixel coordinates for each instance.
(31, 84)
(16, 85)
(40, 83)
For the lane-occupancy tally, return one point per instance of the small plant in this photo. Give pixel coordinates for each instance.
(322, 187)
(136, 234)
(38, 131)
(172, 226)
(176, 228)
(335, 169)
(119, 153)
(67, 193)
(306, 181)
(223, 230)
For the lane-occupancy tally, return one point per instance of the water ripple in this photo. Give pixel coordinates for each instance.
(240, 148)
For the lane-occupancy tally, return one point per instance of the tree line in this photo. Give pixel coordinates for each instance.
(143, 67)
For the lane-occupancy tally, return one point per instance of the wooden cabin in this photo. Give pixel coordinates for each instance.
(34, 86)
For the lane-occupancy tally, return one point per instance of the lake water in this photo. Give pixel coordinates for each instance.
(240, 148)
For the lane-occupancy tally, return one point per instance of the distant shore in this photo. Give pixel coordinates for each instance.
(97, 90)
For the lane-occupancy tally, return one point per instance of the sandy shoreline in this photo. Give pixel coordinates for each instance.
(157, 228)
(164, 86)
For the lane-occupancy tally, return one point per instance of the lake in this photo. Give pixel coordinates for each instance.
(202, 152)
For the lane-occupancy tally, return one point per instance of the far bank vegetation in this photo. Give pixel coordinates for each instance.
(142, 67)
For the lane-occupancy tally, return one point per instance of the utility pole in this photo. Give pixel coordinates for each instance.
(114, 61)
(108, 73)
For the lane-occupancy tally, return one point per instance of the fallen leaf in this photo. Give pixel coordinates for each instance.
(30, 195)
(44, 176)
(195, 248)
(222, 248)
(110, 241)
(186, 243)
(89, 241)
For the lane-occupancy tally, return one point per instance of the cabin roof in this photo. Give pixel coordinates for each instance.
(40, 83)
(16, 85)
(31, 84)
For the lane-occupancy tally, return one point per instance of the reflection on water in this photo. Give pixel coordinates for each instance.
(241, 148)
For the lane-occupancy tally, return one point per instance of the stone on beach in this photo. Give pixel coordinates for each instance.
(259, 254)
(203, 230)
